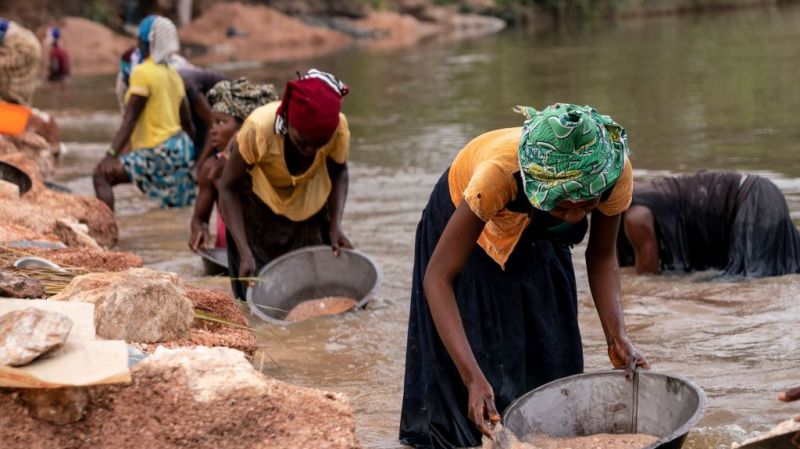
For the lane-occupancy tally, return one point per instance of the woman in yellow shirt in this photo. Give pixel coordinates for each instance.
(493, 301)
(157, 122)
(285, 183)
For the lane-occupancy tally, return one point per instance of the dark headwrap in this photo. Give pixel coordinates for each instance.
(240, 97)
(311, 105)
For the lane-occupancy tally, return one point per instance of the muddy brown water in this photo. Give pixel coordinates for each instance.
(715, 91)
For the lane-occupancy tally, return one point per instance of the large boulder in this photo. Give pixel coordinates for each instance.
(232, 333)
(41, 208)
(137, 305)
(198, 398)
(28, 333)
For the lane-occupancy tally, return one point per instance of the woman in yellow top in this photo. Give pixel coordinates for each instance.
(285, 183)
(493, 301)
(158, 124)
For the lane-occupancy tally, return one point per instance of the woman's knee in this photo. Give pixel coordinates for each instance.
(98, 175)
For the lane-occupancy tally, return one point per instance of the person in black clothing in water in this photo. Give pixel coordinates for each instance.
(727, 221)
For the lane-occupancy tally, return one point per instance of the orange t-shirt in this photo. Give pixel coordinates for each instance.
(482, 174)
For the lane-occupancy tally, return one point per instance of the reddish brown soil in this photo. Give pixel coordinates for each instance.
(209, 333)
(323, 306)
(597, 441)
(10, 232)
(158, 411)
(87, 259)
(40, 207)
(269, 35)
(92, 47)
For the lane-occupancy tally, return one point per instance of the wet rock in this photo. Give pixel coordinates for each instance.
(788, 426)
(29, 333)
(137, 305)
(18, 286)
(56, 405)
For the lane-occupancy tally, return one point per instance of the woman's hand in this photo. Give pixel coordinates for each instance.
(481, 406)
(338, 239)
(624, 355)
(200, 235)
(247, 268)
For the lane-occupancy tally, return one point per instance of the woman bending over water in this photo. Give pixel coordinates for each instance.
(285, 184)
(494, 308)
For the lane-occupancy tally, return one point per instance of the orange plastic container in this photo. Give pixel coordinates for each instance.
(13, 118)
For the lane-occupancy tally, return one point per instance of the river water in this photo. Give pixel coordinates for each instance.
(694, 92)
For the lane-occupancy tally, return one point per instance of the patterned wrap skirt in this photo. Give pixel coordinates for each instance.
(164, 173)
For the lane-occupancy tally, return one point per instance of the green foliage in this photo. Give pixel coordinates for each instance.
(100, 11)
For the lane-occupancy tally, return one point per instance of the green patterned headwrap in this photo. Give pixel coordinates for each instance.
(569, 152)
(240, 97)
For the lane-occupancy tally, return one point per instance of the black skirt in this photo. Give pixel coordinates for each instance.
(764, 240)
(521, 323)
(271, 235)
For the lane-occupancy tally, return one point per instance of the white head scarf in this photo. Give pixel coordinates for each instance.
(162, 40)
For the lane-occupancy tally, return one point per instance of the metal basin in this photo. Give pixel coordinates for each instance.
(215, 261)
(310, 273)
(14, 175)
(666, 406)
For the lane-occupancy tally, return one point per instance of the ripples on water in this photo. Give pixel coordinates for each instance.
(711, 92)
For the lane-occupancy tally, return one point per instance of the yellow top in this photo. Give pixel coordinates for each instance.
(295, 197)
(161, 117)
(482, 174)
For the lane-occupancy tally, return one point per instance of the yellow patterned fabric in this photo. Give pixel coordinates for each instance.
(295, 197)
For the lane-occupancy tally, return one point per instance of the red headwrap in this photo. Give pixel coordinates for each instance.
(312, 104)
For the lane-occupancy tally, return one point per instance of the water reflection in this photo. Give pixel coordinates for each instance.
(711, 91)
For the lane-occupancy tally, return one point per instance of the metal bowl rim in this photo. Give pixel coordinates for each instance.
(29, 180)
(680, 431)
(310, 249)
